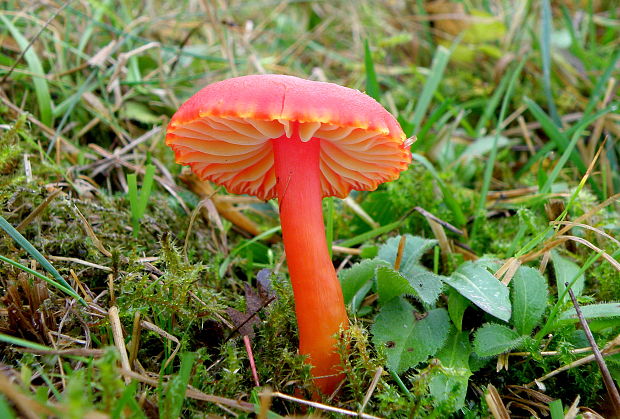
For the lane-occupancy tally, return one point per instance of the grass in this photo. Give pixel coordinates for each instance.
(515, 110)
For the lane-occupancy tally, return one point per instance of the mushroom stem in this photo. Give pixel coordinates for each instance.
(319, 304)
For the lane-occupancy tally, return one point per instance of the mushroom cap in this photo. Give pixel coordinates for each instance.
(224, 133)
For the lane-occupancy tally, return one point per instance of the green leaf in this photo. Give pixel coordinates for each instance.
(566, 271)
(529, 299)
(457, 304)
(493, 339)
(591, 311)
(427, 285)
(357, 278)
(408, 341)
(481, 288)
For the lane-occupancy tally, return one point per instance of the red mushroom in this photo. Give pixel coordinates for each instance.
(276, 136)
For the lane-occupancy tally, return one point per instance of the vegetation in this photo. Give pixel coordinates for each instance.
(130, 289)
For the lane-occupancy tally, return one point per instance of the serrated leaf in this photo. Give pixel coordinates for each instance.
(355, 279)
(493, 339)
(529, 299)
(565, 271)
(591, 311)
(391, 284)
(481, 288)
(426, 284)
(408, 341)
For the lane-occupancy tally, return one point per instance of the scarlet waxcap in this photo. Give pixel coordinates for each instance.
(224, 133)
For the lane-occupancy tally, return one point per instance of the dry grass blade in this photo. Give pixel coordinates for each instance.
(494, 401)
(161, 332)
(38, 210)
(508, 270)
(610, 385)
(573, 364)
(317, 405)
(91, 233)
(588, 227)
(192, 393)
(561, 239)
(80, 262)
(119, 341)
(29, 408)
(371, 388)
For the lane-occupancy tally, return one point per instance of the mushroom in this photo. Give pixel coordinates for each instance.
(276, 136)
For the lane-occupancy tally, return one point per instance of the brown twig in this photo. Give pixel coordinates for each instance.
(612, 390)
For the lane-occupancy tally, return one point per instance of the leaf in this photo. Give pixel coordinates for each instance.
(408, 341)
(426, 284)
(455, 352)
(591, 311)
(449, 384)
(529, 299)
(457, 304)
(493, 339)
(415, 247)
(139, 112)
(353, 279)
(391, 284)
(481, 288)
(565, 271)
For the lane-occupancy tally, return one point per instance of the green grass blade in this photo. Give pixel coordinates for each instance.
(44, 278)
(372, 86)
(353, 241)
(601, 83)
(226, 262)
(25, 244)
(545, 50)
(488, 170)
(176, 388)
(578, 129)
(41, 88)
(145, 192)
(553, 132)
(440, 61)
(556, 410)
(132, 185)
(12, 340)
(489, 109)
